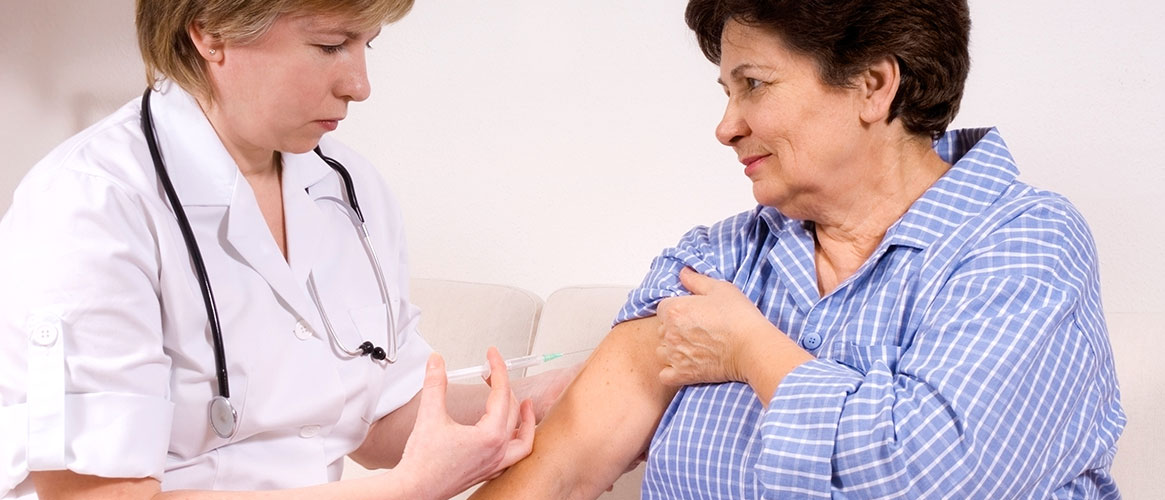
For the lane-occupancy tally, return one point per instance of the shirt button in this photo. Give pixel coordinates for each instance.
(811, 341)
(309, 431)
(302, 331)
(45, 335)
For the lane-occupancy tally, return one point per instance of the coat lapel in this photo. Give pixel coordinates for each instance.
(247, 234)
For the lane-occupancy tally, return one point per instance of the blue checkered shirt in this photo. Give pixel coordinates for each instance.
(967, 358)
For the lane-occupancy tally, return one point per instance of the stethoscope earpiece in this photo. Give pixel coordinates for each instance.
(368, 349)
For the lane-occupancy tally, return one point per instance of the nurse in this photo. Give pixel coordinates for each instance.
(107, 356)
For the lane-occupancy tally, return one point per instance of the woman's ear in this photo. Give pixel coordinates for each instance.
(208, 45)
(878, 85)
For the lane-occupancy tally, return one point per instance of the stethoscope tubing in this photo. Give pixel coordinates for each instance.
(223, 417)
(220, 357)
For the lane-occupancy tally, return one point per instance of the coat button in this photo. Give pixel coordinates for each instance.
(811, 341)
(309, 431)
(45, 335)
(302, 331)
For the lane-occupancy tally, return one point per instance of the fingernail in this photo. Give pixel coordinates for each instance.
(485, 375)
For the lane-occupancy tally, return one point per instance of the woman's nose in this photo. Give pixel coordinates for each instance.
(732, 126)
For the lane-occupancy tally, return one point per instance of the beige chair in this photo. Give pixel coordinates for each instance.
(576, 319)
(461, 320)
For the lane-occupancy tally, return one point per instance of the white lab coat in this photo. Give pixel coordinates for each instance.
(106, 365)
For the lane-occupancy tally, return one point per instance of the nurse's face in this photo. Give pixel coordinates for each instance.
(287, 89)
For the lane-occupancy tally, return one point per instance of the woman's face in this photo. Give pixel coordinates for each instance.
(283, 91)
(797, 137)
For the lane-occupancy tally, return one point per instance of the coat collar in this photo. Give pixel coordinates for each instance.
(204, 174)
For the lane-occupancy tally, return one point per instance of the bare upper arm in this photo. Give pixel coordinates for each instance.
(65, 485)
(604, 421)
(385, 443)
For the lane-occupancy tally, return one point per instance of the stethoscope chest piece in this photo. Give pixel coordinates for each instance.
(223, 418)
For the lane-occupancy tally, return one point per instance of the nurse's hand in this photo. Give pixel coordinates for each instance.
(444, 457)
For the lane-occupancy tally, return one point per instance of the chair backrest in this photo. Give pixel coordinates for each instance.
(577, 318)
(461, 319)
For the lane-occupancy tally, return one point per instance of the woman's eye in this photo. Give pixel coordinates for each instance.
(752, 83)
(331, 49)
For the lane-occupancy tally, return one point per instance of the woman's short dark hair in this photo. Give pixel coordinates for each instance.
(929, 39)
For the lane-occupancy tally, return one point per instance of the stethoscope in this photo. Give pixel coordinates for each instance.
(223, 417)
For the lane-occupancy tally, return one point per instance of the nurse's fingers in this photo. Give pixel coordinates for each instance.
(523, 442)
(432, 404)
(497, 405)
(512, 411)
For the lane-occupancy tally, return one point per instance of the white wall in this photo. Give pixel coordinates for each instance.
(548, 143)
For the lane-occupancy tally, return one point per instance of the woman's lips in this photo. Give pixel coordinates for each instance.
(329, 125)
(752, 163)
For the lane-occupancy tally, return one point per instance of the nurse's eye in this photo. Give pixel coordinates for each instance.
(331, 49)
(752, 83)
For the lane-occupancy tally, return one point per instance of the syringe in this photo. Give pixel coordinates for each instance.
(511, 364)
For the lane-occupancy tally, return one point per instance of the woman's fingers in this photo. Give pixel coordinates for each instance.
(697, 283)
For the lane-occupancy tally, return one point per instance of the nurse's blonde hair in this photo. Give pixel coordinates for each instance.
(168, 52)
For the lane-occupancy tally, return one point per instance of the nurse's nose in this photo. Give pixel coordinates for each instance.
(353, 84)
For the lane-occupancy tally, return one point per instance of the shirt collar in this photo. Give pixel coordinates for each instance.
(203, 172)
(981, 170)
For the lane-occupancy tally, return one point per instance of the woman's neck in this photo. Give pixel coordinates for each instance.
(849, 233)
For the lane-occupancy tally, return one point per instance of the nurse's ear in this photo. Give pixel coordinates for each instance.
(209, 46)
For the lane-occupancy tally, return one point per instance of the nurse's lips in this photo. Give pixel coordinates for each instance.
(751, 163)
(329, 125)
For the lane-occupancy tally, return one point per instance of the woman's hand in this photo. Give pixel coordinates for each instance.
(717, 334)
(702, 334)
(444, 457)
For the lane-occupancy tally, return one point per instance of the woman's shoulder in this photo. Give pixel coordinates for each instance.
(753, 224)
(1025, 207)
(1032, 232)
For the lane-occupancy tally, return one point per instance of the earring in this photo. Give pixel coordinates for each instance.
(212, 52)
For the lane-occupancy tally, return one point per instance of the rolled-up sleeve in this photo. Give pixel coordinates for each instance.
(709, 250)
(84, 381)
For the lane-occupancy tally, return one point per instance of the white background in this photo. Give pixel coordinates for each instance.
(548, 143)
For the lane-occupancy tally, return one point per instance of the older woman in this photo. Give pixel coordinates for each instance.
(899, 317)
(123, 376)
